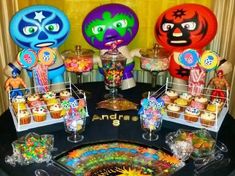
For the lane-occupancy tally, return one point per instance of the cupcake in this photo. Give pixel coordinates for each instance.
(182, 103)
(166, 99)
(207, 119)
(55, 111)
(23, 116)
(18, 103)
(32, 98)
(191, 114)
(172, 94)
(173, 111)
(39, 114)
(51, 102)
(64, 95)
(197, 105)
(202, 100)
(19, 107)
(186, 97)
(49, 95)
(213, 108)
(219, 103)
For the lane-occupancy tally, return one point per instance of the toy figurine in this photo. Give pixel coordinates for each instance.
(185, 26)
(220, 86)
(113, 26)
(13, 84)
(35, 28)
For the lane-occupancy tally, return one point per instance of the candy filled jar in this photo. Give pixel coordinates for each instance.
(78, 61)
(154, 60)
(113, 63)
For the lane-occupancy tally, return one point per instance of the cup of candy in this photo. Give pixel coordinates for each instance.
(32, 148)
(196, 144)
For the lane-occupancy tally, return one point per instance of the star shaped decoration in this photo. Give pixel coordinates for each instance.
(179, 13)
(39, 16)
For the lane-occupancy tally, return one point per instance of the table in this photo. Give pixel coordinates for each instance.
(103, 130)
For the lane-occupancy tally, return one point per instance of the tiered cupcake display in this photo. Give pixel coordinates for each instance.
(34, 110)
(200, 111)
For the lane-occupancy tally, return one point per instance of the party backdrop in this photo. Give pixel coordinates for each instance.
(146, 10)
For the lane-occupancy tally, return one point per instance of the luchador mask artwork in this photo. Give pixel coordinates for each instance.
(110, 24)
(186, 26)
(39, 26)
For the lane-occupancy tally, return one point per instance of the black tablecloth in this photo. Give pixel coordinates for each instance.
(103, 130)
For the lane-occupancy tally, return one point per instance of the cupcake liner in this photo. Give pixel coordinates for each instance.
(25, 120)
(207, 123)
(56, 114)
(190, 118)
(173, 114)
(39, 118)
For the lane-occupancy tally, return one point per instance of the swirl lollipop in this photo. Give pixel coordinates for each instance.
(188, 58)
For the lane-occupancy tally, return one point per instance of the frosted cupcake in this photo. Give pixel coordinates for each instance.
(182, 103)
(186, 97)
(197, 105)
(23, 116)
(55, 111)
(32, 98)
(166, 99)
(191, 114)
(207, 119)
(49, 95)
(19, 103)
(219, 103)
(51, 102)
(202, 100)
(172, 94)
(64, 95)
(39, 114)
(213, 108)
(173, 111)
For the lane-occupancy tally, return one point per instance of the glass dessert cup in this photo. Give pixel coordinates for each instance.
(113, 64)
(154, 60)
(151, 127)
(74, 126)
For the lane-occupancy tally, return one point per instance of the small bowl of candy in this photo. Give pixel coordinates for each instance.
(202, 144)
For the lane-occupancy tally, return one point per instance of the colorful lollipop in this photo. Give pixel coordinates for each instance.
(209, 60)
(27, 58)
(188, 58)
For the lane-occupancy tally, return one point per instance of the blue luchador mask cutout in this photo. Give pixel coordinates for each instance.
(108, 24)
(39, 26)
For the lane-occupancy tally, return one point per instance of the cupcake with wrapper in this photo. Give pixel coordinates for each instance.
(18, 103)
(191, 114)
(207, 119)
(51, 102)
(166, 99)
(64, 95)
(49, 95)
(172, 94)
(55, 111)
(32, 98)
(213, 108)
(201, 100)
(39, 114)
(23, 116)
(182, 103)
(218, 102)
(173, 111)
(186, 97)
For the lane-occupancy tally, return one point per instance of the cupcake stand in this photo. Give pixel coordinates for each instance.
(219, 114)
(76, 93)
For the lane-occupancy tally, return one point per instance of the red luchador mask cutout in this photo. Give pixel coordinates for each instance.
(186, 26)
